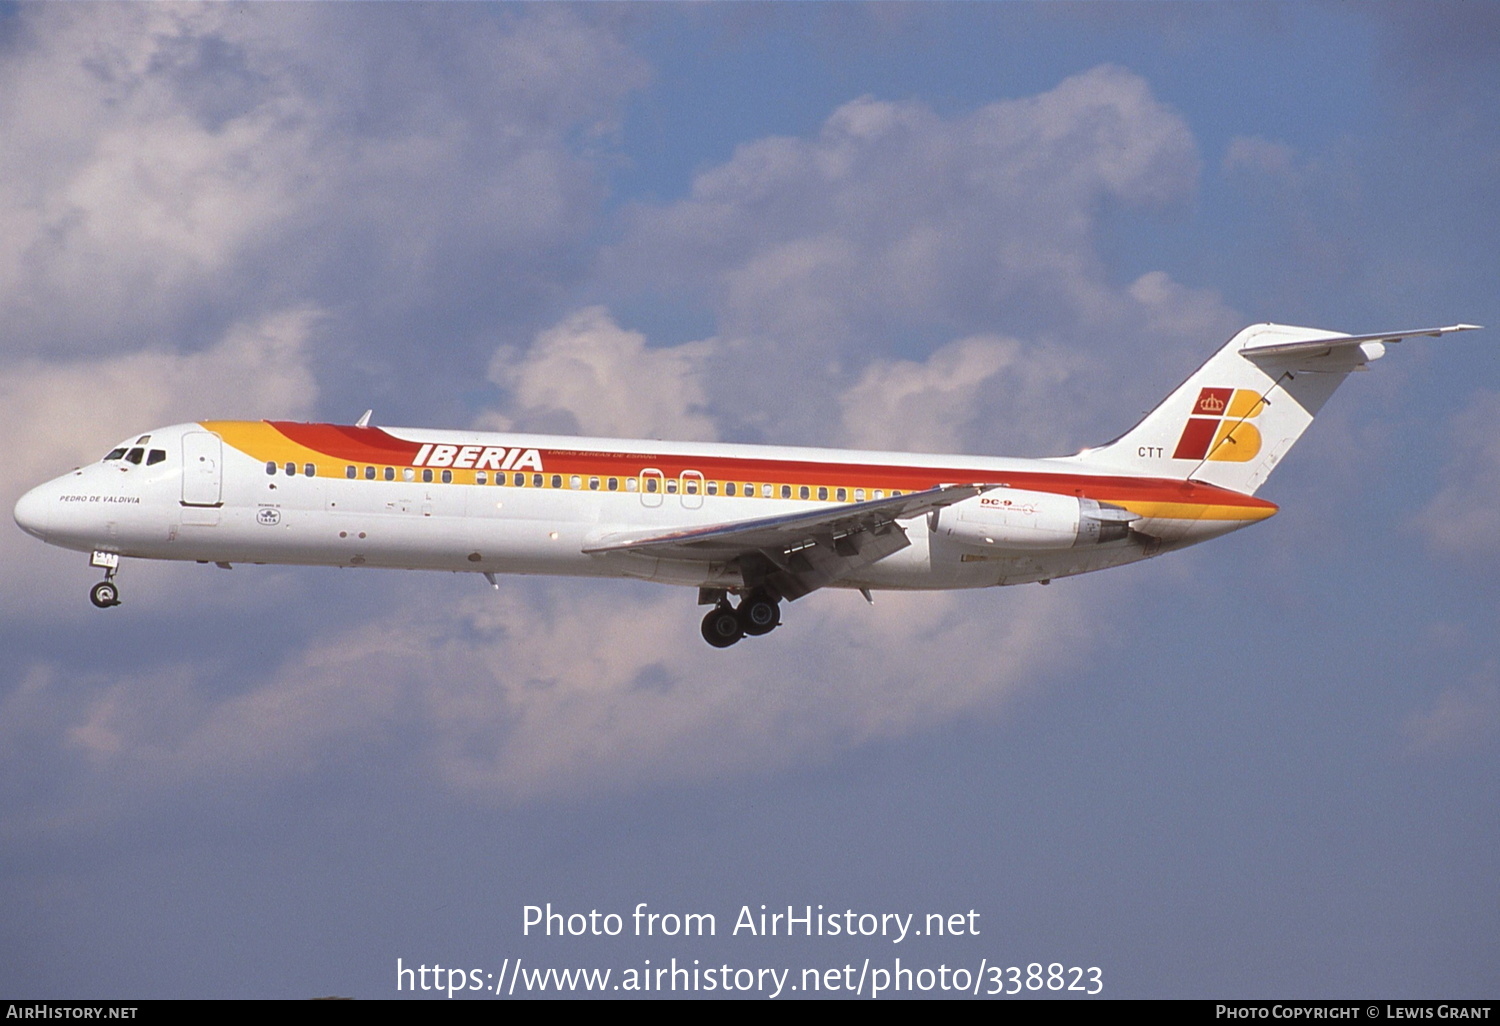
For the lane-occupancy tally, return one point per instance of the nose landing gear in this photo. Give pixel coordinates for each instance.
(106, 593)
(757, 614)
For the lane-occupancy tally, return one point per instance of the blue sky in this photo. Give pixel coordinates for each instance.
(1264, 767)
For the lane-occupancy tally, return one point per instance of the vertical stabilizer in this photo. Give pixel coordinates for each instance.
(1236, 417)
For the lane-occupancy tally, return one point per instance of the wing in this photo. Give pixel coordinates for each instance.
(796, 553)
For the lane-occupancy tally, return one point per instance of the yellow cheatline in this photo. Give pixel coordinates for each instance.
(1197, 511)
(261, 441)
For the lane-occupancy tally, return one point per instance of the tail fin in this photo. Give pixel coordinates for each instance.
(1236, 417)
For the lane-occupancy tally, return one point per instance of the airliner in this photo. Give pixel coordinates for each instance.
(749, 526)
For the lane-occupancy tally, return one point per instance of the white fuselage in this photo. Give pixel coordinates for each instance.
(221, 493)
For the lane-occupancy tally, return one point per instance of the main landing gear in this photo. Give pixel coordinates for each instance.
(757, 614)
(106, 593)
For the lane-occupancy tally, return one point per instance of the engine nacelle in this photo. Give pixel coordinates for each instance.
(1009, 518)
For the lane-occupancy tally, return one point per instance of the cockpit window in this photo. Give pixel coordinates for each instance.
(115, 454)
(155, 456)
(134, 455)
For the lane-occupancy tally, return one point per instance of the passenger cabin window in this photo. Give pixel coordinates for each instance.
(575, 482)
(291, 470)
(480, 477)
(631, 484)
(520, 480)
(614, 484)
(427, 476)
(728, 487)
(672, 487)
(536, 480)
(712, 488)
(556, 480)
(270, 466)
(859, 495)
(351, 472)
(822, 493)
(650, 484)
(155, 456)
(841, 495)
(134, 456)
(803, 492)
(593, 484)
(390, 473)
(369, 473)
(310, 469)
(447, 477)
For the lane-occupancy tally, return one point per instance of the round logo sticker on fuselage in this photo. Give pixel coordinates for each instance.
(269, 517)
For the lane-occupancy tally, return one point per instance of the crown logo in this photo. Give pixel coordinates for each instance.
(1219, 426)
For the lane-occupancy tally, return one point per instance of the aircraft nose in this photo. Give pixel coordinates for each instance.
(32, 510)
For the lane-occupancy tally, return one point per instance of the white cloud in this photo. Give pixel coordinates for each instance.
(605, 381)
(931, 406)
(1461, 718)
(1463, 519)
(905, 211)
(166, 163)
(895, 223)
(581, 687)
(1263, 156)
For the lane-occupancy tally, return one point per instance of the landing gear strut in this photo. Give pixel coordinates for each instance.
(106, 593)
(757, 614)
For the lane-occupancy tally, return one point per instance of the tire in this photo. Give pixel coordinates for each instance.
(759, 615)
(104, 594)
(721, 627)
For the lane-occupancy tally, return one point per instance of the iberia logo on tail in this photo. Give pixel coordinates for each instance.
(1219, 427)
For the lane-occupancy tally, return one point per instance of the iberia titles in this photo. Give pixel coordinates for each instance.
(477, 457)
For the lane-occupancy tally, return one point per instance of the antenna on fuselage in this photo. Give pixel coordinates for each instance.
(364, 420)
